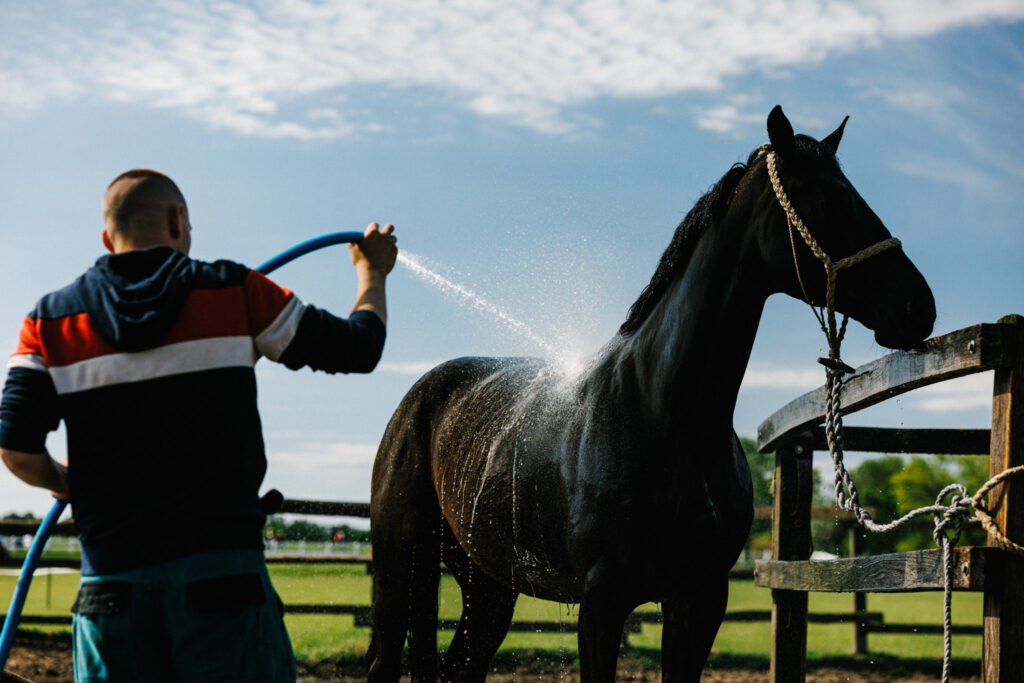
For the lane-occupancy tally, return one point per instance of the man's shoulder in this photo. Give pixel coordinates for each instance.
(60, 303)
(219, 273)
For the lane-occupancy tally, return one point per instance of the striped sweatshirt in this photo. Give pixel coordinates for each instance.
(148, 359)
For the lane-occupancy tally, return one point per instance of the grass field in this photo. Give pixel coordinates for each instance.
(317, 637)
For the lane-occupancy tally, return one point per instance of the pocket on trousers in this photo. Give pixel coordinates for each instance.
(102, 598)
(226, 594)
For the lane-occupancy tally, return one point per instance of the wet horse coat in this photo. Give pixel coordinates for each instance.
(624, 483)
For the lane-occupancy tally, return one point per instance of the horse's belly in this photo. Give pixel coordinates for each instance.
(531, 571)
(509, 526)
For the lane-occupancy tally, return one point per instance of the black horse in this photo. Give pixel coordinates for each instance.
(625, 483)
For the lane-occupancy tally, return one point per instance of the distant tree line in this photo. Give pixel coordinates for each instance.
(303, 530)
(15, 517)
(895, 485)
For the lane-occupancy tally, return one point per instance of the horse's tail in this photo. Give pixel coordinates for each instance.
(405, 524)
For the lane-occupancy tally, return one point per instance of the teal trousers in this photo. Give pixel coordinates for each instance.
(208, 617)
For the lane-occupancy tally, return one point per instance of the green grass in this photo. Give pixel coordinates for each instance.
(50, 595)
(317, 637)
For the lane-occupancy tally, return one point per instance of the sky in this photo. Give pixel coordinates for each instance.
(536, 155)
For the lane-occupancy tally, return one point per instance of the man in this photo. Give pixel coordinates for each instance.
(148, 358)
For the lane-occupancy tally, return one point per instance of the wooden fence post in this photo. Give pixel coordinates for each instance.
(791, 540)
(1003, 649)
(860, 600)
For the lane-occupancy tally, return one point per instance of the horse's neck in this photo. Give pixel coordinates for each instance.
(688, 359)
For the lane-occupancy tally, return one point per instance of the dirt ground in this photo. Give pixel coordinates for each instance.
(50, 662)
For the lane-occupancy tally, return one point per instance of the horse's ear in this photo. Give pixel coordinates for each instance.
(780, 132)
(832, 141)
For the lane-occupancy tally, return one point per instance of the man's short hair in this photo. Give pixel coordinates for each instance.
(137, 201)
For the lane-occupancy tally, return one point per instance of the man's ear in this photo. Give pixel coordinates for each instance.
(107, 242)
(174, 216)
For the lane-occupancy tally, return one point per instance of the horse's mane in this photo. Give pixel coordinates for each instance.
(705, 213)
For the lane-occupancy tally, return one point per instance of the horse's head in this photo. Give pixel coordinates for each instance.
(875, 283)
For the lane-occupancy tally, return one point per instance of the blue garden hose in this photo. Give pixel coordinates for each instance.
(308, 246)
(28, 568)
(25, 578)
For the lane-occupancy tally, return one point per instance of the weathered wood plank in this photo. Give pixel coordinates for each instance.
(295, 558)
(327, 609)
(326, 507)
(888, 440)
(305, 507)
(919, 570)
(860, 600)
(766, 615)
(970, 350)
(20, 528)
(364, 617)
(1002, 654)
(931, 629)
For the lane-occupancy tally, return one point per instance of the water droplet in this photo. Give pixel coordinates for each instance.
(415, 265)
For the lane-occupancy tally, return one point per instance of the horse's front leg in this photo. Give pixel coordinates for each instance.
(603, 613)
(690, 628)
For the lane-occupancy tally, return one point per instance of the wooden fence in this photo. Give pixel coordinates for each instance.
(793, 433)
(859, 618)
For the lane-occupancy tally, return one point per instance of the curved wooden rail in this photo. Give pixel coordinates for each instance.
(978, 348)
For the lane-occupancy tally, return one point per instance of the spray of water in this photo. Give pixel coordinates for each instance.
(417, 267)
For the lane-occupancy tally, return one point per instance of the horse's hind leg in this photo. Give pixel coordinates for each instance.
(405, 533)
(487, 608)
(407, 571)
(425, 577)
(390, 623)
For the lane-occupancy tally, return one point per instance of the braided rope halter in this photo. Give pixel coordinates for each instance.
(948, 518)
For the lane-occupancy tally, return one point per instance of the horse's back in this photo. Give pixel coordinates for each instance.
(402, 465)
(459, 449)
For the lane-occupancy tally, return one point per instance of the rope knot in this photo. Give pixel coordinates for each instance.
(953, 516)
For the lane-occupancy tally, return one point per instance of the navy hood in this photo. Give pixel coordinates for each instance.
(134, 298)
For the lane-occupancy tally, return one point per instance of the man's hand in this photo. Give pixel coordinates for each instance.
(377, 250)
(374, 257)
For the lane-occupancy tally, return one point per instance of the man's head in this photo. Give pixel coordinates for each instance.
(144, 208)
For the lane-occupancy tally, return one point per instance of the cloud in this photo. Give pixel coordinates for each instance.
(964, 393)
(950, 172)
(417, 367)
(264, 69)
(769, 376)
(320, 457)
(937, 101)
(729, 116)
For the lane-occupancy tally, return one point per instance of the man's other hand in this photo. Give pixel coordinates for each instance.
(377, 250)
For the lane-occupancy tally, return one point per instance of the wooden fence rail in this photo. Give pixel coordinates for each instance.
(862, 621)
